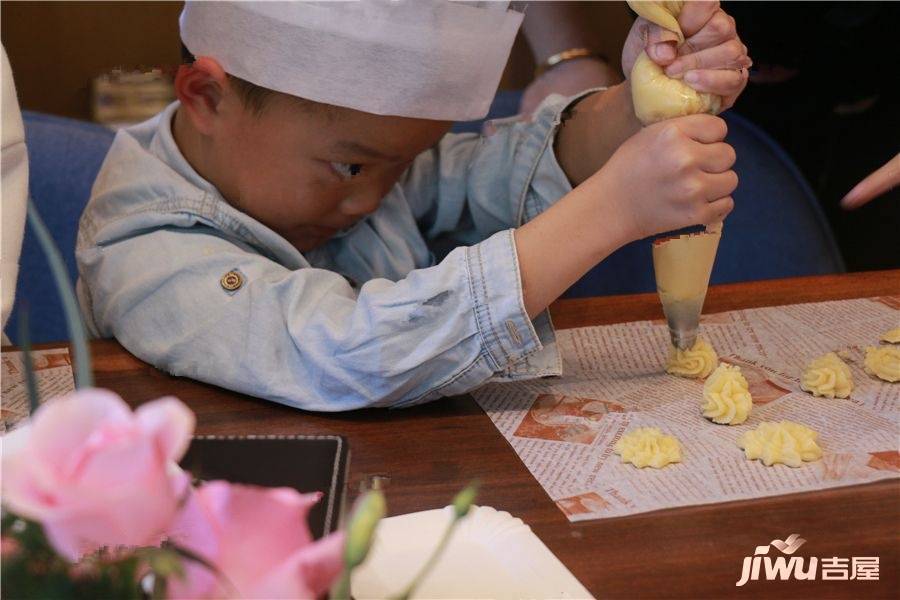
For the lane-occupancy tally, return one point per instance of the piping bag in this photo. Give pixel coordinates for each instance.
(682, 264)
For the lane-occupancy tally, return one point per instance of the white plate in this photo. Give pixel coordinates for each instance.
(491, 555)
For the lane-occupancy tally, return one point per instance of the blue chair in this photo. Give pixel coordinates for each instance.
(777, 229)
(64, 156)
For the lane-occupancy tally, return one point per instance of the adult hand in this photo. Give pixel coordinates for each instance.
(876, 184)
(712, 58)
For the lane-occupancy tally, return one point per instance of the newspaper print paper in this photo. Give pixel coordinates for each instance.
(564, 428)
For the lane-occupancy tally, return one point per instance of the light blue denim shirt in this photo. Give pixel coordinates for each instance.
(369, 319)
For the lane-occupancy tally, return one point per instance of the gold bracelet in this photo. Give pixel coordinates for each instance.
(566, 55)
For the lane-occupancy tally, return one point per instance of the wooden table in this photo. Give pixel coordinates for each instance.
(430, 452)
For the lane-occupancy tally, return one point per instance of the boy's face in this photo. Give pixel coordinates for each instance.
(309, 170)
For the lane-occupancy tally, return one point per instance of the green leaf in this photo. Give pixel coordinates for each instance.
(84, 377)
(34, 570)
(164, 562)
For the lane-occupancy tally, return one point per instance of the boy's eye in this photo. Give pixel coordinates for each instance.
(345, 170)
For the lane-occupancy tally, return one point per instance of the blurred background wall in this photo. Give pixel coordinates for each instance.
(57, 48)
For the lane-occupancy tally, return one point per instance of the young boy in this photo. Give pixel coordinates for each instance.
(273, 237)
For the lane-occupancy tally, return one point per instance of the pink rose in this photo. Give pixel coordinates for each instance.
(258, 541)
(96, 474)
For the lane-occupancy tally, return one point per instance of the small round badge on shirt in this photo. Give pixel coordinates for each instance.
(231, 281)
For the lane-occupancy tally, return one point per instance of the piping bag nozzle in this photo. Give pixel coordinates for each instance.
(682, 266)
(683, 318)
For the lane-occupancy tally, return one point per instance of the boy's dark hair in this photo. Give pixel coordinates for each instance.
(253, 96)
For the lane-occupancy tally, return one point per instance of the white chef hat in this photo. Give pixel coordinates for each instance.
(432, 59)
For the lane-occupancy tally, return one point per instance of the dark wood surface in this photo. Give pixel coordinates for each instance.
(428, 453)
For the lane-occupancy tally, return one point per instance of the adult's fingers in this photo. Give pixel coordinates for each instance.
(723, 82)
(659, 42)
(731, 54)
(719, 28)
(694, 15)
(876, 184)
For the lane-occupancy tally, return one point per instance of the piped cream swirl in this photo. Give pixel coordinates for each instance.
(696, 362)
(892, 336)
(883, 362)
(827, 376)
(726, 396)
(648, 447)
(786, 442)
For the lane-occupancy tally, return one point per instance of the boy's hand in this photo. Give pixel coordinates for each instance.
(669, 175)
(712, 58)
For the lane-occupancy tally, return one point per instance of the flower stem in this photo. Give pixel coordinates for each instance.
(84, 377)
(25, 344)
(341, 591)
(417, 580)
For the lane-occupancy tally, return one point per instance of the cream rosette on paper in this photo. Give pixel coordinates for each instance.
(827, 376)
(648, 447)
(696, 362)
(785, 442)
(883, 362)
(726, 395)
(892, 336)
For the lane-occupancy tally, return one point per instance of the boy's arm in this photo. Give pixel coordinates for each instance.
(305, 337)
(469, 187)
(594, 129)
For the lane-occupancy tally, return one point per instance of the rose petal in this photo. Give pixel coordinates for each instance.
(91, 475)
(61, 427)
(171, 422)
(319, 564)
(254, 536)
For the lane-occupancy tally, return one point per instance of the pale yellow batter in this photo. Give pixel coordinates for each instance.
(892, 336)
(726, 396)
(827, 376)
(656, 96)
(786, 443)
(648, 447)
(883, 362)
(682, 266)
(696, 362)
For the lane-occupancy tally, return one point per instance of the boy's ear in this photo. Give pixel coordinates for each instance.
(200, 87)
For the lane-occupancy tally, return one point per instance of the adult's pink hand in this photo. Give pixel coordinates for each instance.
(876, 184)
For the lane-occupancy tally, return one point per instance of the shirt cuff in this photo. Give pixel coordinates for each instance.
(507, 333)
(544, 182)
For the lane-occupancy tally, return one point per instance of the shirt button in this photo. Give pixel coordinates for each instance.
(231, 281)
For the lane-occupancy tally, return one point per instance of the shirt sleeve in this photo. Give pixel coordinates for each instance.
(471, 186)
(305, 337)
